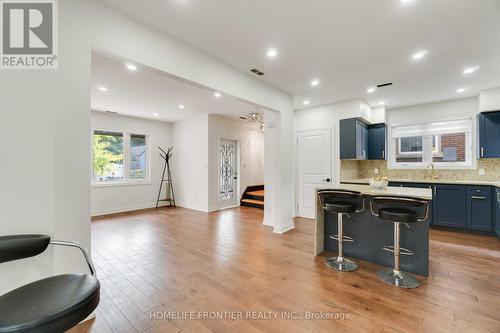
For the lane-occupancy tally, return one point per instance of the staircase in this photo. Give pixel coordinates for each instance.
(253, 196)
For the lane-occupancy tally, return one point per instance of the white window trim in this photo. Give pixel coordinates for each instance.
(126, 181)
(469, 163)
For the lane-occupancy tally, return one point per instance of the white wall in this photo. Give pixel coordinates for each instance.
(489, 100)
(106, 199)
(251, 144)
(467, 107)
(44, 169)
(328, 117)
(115, 34)
(52, 112)
(190, 162)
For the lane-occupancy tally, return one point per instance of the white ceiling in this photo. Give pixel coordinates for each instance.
(147, 92)
(349, 44)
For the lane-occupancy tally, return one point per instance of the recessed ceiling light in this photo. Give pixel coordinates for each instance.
(315, 82)
(307, 102)
(471, 70)
(217, 94)
(381, 103)
(131, 67)
(272, 53)
(181, 106)
(155, 114)
(406, 1)
(371, 90)
(102, 88)
(420, 54)
(461, 90)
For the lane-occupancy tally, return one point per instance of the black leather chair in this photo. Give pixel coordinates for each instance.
(341, 202)
(51, 305)
(399, 210)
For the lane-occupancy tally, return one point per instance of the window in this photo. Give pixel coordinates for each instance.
(409, 149)
(108, 156)
(119, 157)
(137, 156)
(451, 148)
(445, 144)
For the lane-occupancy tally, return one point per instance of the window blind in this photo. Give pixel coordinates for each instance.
(434, 128)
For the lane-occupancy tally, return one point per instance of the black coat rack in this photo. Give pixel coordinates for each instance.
(170, 198)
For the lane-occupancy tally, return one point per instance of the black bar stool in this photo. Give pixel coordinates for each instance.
(399, 210)
(341, 202)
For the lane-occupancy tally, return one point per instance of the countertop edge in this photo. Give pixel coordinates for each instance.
(366, 181)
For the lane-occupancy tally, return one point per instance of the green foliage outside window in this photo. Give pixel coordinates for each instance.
(108, 150)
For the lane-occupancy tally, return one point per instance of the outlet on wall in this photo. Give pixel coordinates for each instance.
(375, 171)
(482, 172)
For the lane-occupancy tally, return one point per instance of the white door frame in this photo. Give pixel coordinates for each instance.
(334, 164)
(237, 193)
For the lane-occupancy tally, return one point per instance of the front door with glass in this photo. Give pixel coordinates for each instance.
(228, 173)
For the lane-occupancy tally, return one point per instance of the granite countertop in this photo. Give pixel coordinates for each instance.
(429, 181)
(420, 193)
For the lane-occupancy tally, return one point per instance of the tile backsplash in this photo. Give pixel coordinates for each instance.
(365, 169)
(350, 169)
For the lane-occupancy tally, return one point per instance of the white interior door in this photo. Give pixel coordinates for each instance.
(314, 167)
(228, 173)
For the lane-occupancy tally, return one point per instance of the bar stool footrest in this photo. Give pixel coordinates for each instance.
(402, 251)
(344, 239)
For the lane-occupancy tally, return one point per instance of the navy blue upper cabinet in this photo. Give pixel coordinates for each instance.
(479, 208)
(377, 138)
(361, 141)
(489, 134)
(353, 139)
(449, 206)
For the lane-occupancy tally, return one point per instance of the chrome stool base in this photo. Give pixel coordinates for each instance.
(398, 278)
(341, 264)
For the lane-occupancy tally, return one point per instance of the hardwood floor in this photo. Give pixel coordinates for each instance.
(180, 260)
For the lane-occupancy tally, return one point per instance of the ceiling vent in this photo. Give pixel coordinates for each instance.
(256, 71)
(384, 85)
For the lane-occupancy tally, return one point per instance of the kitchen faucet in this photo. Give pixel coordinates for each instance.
(433, 171)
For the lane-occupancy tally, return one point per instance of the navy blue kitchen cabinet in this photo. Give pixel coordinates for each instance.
(489, 134)
(449, 206)
(353, 139)
(479, 208)
(468, 207)
(497, 199)
(377, 141)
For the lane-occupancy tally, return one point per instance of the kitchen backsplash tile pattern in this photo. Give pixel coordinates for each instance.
(365, 169)
(349, 169)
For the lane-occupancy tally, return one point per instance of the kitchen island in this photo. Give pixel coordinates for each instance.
(370, 233)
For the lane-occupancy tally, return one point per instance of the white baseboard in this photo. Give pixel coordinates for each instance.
(284, 230)
(267, 222)
(192, 207)
(125, 209)
(147, 206)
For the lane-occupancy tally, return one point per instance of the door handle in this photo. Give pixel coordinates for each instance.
(383, 154)
(478, 198)
(482, 151)
(435, 192)
(327, 180)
